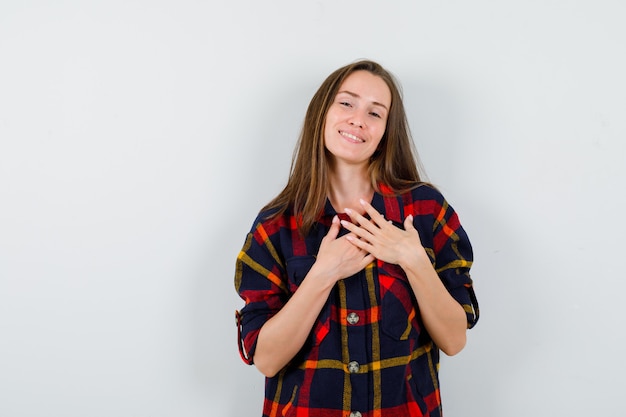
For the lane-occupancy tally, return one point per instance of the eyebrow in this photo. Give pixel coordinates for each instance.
(376, 103)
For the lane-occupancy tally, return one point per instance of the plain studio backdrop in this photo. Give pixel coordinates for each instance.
(138, 140)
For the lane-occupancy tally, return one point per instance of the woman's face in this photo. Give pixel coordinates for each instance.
(356, 120)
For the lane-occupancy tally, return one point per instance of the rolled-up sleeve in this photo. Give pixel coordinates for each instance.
(453, 259)
(260, 282)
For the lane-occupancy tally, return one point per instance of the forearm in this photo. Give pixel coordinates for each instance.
(442, 315)
(283, 335)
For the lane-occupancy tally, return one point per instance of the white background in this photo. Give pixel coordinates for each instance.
(138, 140)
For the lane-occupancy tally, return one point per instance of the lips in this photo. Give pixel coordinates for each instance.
(351, 137)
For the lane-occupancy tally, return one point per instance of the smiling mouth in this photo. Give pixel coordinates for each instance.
(351, 137)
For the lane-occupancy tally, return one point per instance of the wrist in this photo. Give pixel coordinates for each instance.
(324, 280)
(415, 260)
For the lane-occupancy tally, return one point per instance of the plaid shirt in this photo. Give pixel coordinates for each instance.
(368, 353)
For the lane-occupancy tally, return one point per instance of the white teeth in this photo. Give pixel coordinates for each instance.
(351, 136)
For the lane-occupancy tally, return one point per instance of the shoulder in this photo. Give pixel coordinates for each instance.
(422, 193)
(425, 199)
(426, 191)
(271, 220)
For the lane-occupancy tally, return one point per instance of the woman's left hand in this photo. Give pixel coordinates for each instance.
(382, 239)
(442, 315)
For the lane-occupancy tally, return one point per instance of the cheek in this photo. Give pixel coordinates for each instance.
(325, 133)
(380, 133)
(328, 123)
(330, 120)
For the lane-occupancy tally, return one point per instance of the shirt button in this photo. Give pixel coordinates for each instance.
(353, 367)
(353, 318)
(355, 414)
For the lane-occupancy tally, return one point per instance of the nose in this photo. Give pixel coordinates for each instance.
(357, 120)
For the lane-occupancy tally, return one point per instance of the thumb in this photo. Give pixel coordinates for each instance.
(408, 223)
(334, 229)
(409, 227)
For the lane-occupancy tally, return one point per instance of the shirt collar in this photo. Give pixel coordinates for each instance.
(378, 202)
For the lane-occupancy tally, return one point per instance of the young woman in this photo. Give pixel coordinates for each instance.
(357, 274)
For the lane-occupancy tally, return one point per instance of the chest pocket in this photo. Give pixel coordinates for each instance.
(399, 313)
(297, 269)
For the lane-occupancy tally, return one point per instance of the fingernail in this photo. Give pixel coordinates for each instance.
(335, 219)
(363, 202)
(348, 211)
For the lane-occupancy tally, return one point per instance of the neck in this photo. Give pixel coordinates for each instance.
(347, 186)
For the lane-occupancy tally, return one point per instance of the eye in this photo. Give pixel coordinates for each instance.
(375, 114)
(345, 104)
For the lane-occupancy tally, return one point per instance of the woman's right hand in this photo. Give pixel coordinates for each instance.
(338, 258)
(282, 336)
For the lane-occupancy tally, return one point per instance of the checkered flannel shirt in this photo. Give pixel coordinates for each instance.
(368, 353)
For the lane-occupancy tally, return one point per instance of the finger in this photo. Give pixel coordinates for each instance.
(367, 260)
(378, 218)
(359, 243)
(349, 226)
(333, 231)
(408, 223)
(361, 221)
(359, 231)
(410, 227)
